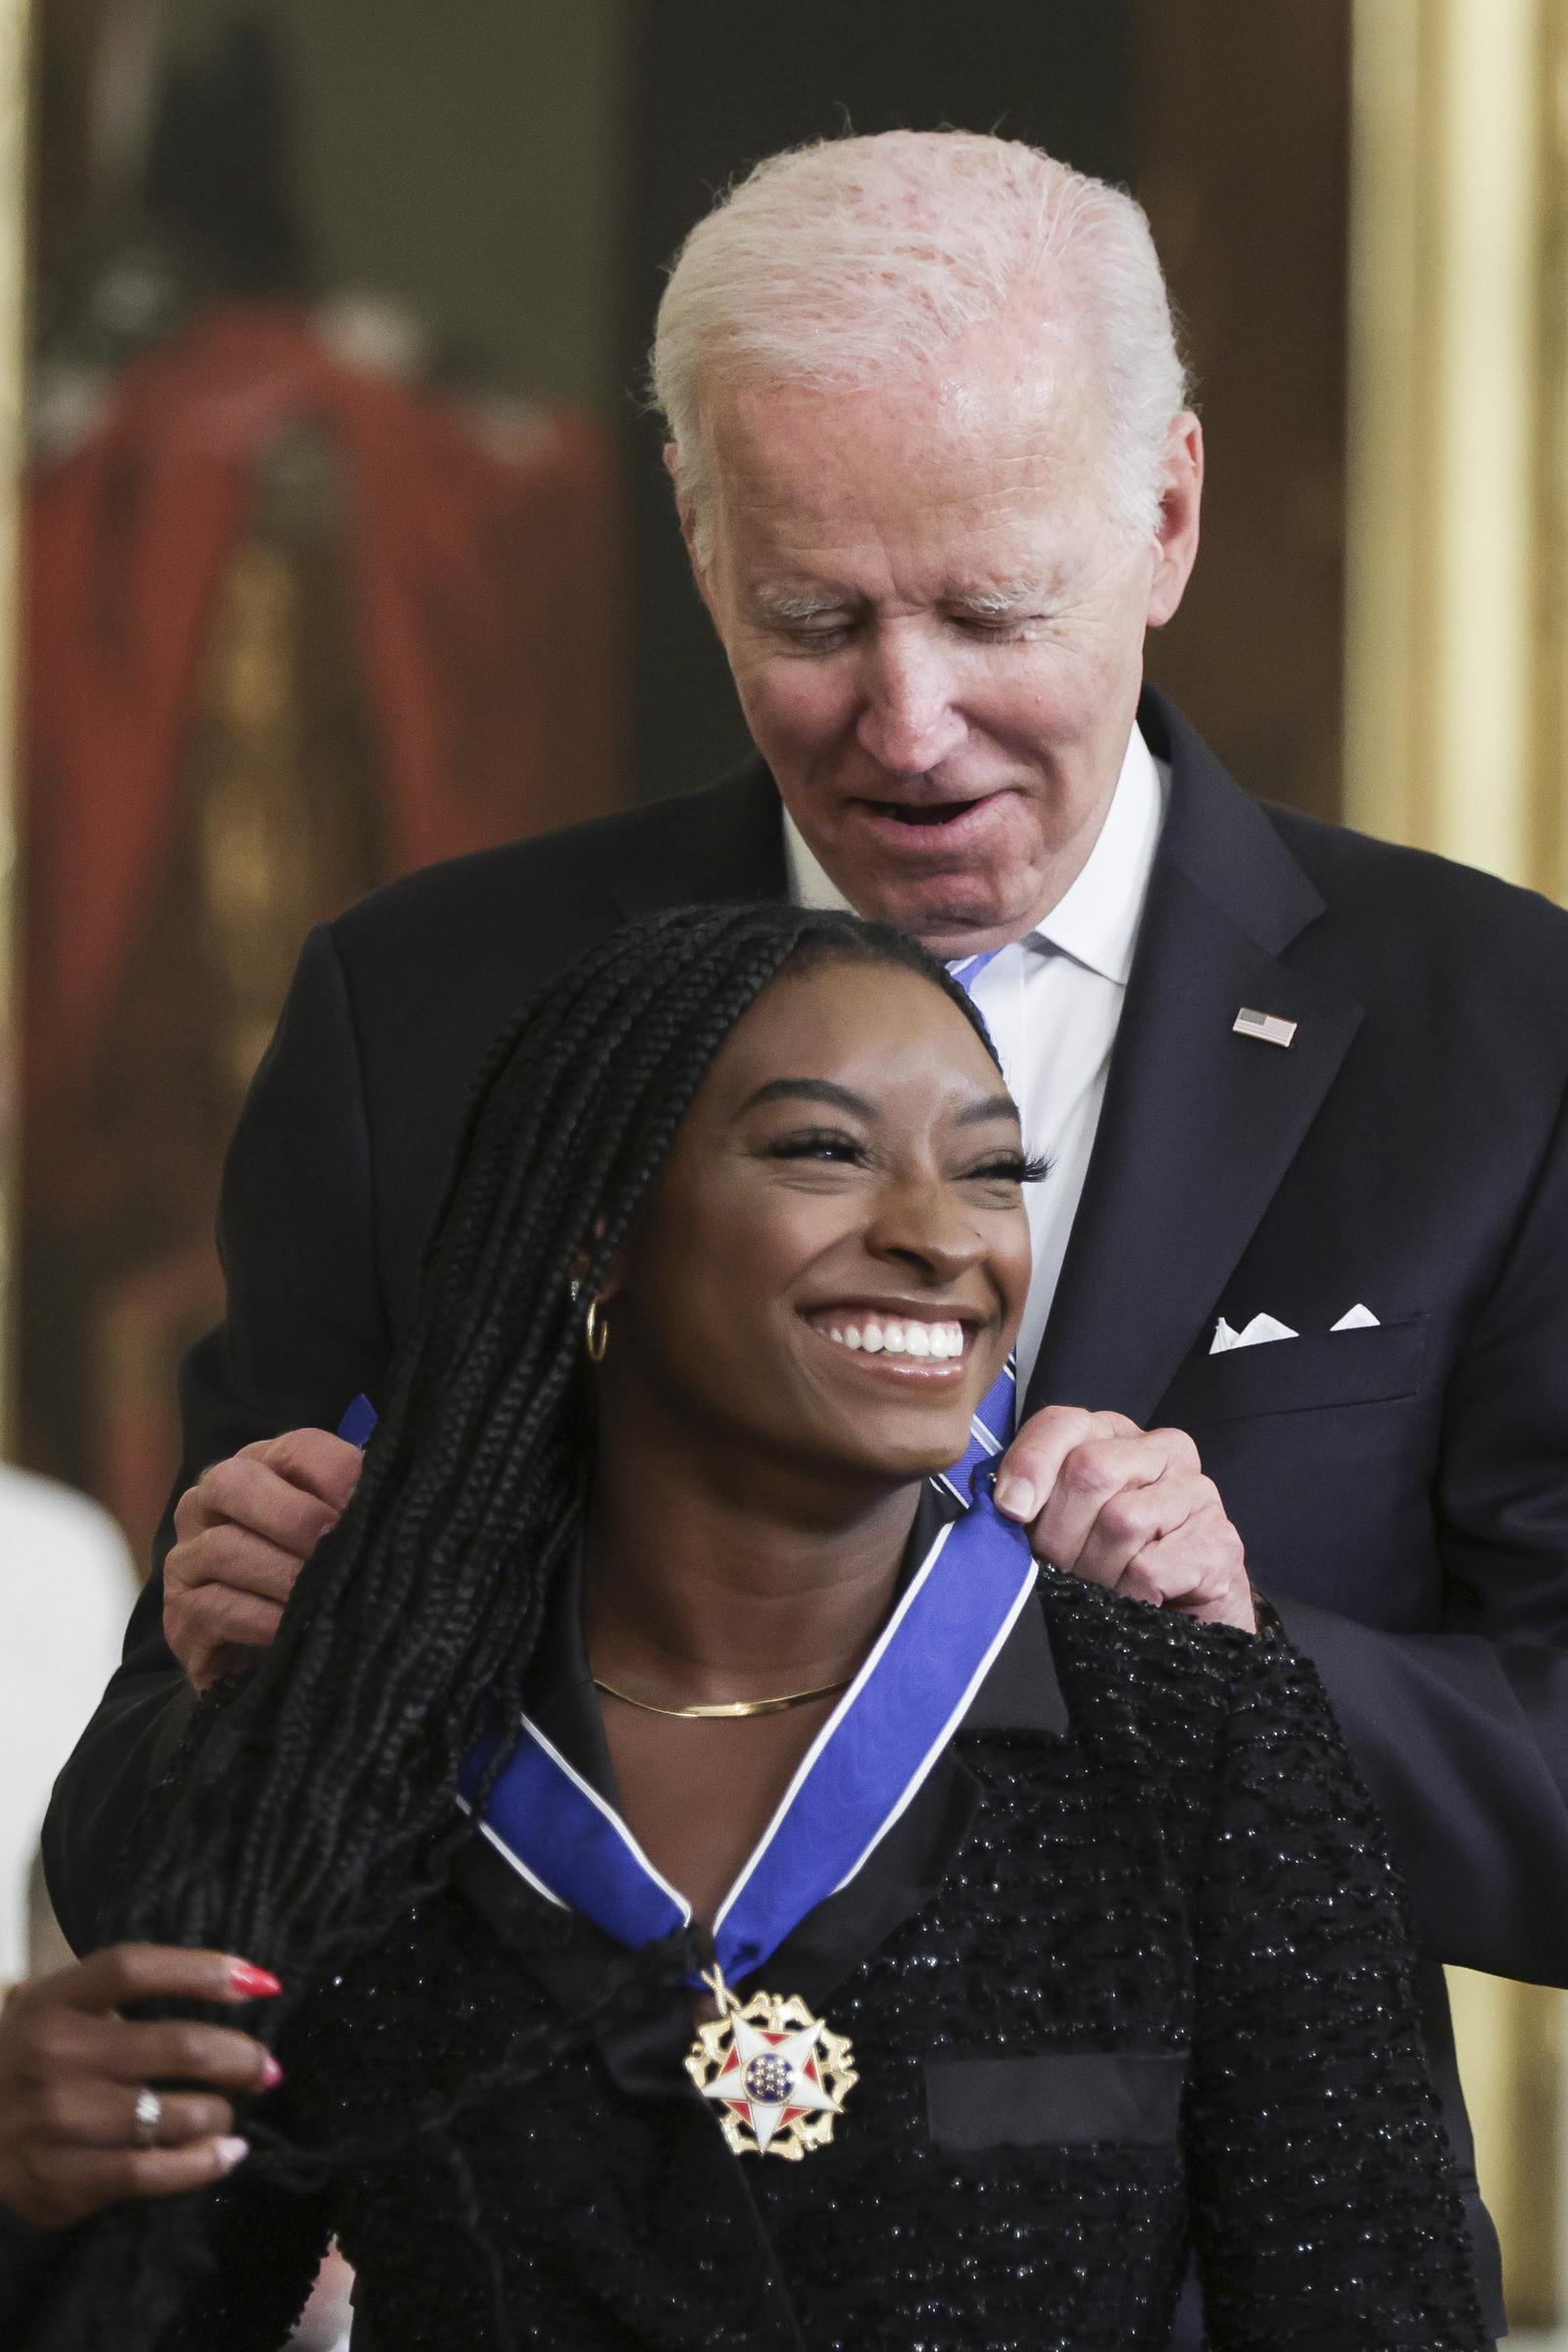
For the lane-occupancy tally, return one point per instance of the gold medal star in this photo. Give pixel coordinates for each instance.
(771, 2078)
(776, 2073)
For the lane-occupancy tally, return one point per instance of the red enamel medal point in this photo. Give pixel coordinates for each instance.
(777, 2074)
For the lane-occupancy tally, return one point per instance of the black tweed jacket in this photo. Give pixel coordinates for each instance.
(1129, 1978)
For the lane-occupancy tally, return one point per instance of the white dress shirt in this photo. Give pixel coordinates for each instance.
(1052, 1001)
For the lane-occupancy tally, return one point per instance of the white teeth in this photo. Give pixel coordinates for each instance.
(939, 1342)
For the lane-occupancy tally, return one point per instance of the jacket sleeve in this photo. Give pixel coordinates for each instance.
(1461, 1731)
(1324, 2212)
(305, 1332)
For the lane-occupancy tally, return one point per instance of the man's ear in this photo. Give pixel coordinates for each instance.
(1176, 532)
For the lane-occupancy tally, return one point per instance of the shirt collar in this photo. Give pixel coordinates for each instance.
(1096, 922)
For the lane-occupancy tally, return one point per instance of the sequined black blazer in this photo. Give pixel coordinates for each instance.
(1128, 1978)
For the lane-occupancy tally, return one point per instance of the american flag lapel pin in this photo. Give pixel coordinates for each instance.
(1268, 1027)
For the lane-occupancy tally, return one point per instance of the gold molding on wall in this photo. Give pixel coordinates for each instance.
(1456, 653)
(15, 19)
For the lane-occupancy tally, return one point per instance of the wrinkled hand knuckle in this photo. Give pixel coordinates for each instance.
(219, 1615)
(1080, 1473)
(1131, 1516)
(291, 1452)
(213, 1493)
(224, 1550)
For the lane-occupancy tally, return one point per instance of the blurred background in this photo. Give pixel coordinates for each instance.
(336, 541)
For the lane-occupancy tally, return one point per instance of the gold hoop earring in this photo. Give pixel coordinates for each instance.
(596, 1332)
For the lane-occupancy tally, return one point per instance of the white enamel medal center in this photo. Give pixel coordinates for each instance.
(778, 2076)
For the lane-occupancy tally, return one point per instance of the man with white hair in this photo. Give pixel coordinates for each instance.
(1303, 1094)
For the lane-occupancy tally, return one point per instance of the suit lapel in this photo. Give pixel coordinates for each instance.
(710, 848)
(1199, 1125)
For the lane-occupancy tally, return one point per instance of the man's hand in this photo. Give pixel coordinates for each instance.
(71, 2069)
(245, 1529)
(1127, 1508)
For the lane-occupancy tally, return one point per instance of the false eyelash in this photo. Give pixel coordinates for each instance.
(1020, 1168)
(1032, 1169)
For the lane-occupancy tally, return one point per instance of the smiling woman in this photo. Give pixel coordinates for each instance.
(650, 1775)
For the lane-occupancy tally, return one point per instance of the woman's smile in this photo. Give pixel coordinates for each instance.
(886, 1340)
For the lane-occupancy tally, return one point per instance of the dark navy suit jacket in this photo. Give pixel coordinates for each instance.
(1402, 1490)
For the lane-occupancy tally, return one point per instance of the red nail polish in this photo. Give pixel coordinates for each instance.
(256, 1984)
(272, 2072)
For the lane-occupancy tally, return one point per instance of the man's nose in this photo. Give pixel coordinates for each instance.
(908, 723)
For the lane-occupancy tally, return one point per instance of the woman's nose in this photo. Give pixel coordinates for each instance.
(920, 1226)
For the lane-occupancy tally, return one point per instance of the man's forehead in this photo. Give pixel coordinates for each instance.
(803, 472)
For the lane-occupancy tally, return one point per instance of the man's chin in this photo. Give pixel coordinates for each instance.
(950, 923)
(959, 895)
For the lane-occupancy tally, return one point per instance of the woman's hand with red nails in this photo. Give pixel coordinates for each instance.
(71, 2069)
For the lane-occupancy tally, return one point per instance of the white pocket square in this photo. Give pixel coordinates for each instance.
(1269, 1326)
(1251, 1335)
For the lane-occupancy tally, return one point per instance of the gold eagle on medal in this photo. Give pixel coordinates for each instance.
(777, 2074)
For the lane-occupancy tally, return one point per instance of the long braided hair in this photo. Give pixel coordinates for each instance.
(314, 1799)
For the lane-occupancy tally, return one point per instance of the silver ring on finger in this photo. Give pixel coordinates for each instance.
(149, 2115)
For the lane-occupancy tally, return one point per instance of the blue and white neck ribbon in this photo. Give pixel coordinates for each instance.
(859, 1774)
(992, 1426)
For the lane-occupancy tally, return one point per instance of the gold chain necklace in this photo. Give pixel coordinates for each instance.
(730, 1709)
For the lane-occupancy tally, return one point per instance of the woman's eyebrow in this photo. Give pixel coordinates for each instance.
(809, 1090)
(841, 1097)
(995, 1106)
